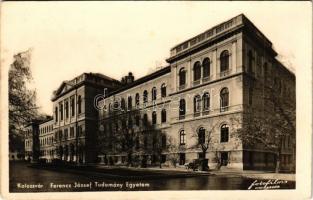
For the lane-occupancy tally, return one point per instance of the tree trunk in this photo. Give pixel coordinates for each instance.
(277, 167)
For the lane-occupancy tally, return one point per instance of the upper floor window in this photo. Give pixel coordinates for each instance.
(130, 103)
(61, 111)
(182, 137)
(79, 104)
(201, 135)
(197, 104)
(123, 104)
(145, 96)
(224, 133)
(56, 113)
(250, 62)
(73, 106)
(182, 77)
(66, 109)
(206, 67)
(206, 101)
(197, 71)
(163, 90)
(224, 59)
(224, 99)
(154, 94)
(137, 99)
(182, 108)
(163, 115)
(154, 117)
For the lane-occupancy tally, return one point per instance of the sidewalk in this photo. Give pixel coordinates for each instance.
(254, 174)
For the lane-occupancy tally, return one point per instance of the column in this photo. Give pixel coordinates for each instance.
(233, 56)
(214, 64)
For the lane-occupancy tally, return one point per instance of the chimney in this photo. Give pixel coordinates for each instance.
(130, 78)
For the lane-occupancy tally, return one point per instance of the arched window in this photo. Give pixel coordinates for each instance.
(145, 96)
(154, 94)
(250, 62)
(182, 77)
(182, 137)
(224, 99)
(196, 71)
(197, 104)
(163, 116)
(224, 133)
(154, 117)
(201, 135)
(182, 108)
(206, 101)
(163, 90)
(79, 104)
(130, 103)
(224, 59)
(206, 67)
(137, 99)
(123, 104)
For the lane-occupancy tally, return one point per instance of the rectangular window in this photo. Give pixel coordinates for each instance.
(72, 106)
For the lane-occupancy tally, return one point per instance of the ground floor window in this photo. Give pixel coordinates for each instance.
(163, 158)
(224, 158)
(182, 158)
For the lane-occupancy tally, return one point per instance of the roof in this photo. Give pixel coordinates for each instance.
(143, 79)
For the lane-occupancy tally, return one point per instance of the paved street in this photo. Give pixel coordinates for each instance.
(26, 179)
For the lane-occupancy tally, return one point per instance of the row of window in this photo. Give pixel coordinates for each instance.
(224, 103)
(205, 66)
(46, 141)
(137, 121)
(46, 129)
(203, 138)
(47, 153)
(68, 106)
(122, 105)
(68, 133)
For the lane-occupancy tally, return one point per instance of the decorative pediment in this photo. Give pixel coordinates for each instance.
(62, 88)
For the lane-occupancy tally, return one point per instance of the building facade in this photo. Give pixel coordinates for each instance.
(75, 117)
(219, 89)
(46, 138)
(213, 83)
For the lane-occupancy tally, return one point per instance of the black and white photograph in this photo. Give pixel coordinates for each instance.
(157, 97)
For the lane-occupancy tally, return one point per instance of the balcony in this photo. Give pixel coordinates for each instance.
(207, 113)
(197, 82)
(206, 79)
(197, 114)
(181, 87)
(224, 73)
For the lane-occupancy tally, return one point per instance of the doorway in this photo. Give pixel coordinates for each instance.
(224, 158)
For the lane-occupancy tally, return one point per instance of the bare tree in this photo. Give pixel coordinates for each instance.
(271, 126)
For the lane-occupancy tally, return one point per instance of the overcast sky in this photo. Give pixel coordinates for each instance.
(113, 38)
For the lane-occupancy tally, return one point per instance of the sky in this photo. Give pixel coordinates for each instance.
(113, 38)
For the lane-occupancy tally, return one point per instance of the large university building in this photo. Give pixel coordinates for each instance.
(217, 91)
